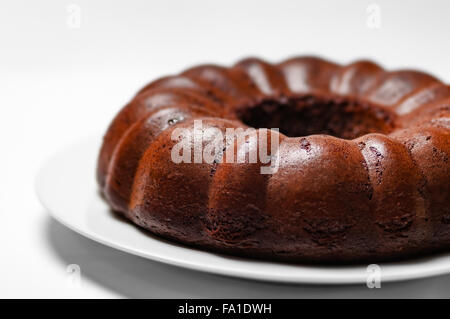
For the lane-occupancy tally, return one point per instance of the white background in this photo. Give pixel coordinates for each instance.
(59, 83)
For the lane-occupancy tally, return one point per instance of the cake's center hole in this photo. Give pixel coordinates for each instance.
(340, 117)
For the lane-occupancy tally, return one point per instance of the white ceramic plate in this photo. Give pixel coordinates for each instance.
(66, 187)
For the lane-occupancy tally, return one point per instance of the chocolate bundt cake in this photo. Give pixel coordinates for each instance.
(362, 161)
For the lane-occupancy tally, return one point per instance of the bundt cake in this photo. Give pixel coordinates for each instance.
(362, 160)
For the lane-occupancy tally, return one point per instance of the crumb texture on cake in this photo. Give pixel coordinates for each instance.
(363, 173)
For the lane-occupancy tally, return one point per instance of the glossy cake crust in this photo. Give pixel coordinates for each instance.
(363, 173)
